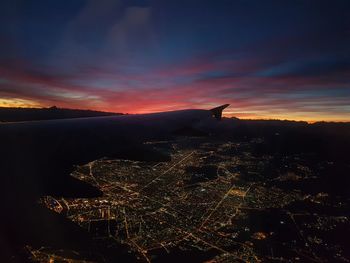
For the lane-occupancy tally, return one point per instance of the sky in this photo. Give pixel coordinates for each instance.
(268, 59)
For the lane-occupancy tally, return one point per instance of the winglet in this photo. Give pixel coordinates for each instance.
(217, 112)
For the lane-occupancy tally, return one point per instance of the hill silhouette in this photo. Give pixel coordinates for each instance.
(35, 114)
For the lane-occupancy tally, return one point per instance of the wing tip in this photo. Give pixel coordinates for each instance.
(217, 111)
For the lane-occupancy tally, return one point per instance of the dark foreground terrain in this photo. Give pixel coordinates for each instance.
(243, 191)
(34, 114)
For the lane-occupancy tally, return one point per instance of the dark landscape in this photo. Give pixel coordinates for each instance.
(244, 190)
(37, 114)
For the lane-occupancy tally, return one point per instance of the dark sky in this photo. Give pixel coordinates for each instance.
(268, 59)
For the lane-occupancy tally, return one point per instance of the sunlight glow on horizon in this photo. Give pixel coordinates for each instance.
(19, 103)
(244, 114)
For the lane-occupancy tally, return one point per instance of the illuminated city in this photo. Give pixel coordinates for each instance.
(213, 197)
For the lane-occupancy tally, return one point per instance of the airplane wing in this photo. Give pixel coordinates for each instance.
(38, 156)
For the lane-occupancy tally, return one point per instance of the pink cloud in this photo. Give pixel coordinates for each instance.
(253, 95)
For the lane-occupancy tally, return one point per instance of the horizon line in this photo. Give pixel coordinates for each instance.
(225, 114)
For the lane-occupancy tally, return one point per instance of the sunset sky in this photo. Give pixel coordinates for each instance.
(268, 59)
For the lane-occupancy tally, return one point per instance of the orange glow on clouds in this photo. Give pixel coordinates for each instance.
(19, 103)
(310, 118)
(137, 108)
(301, 98)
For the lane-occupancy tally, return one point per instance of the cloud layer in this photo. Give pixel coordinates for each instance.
(146, 58)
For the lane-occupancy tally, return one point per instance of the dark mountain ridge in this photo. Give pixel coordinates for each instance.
(35, 114)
